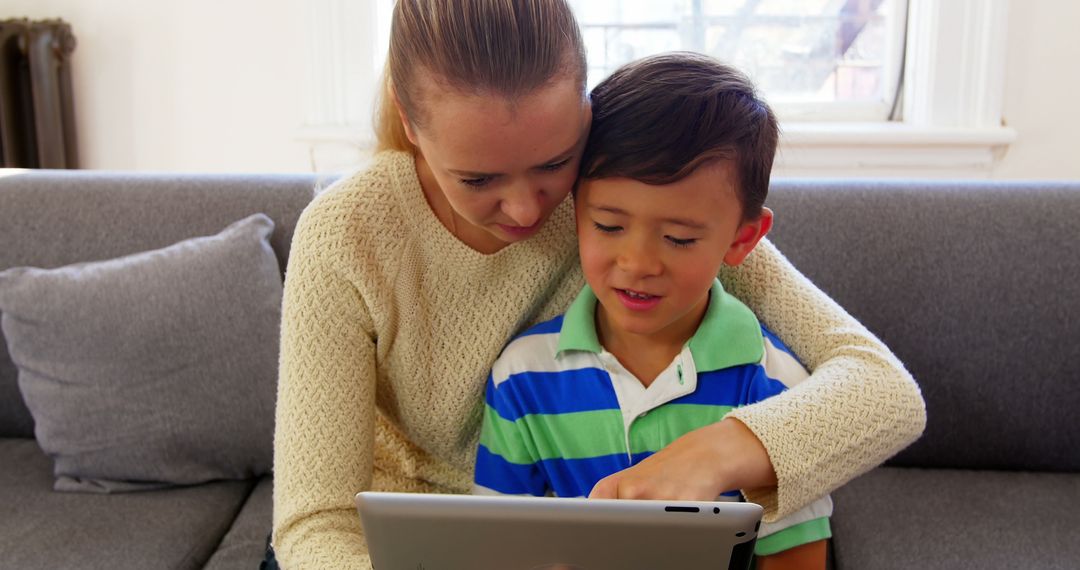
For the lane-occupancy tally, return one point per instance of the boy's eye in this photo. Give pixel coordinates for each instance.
(555, 165)
(680, 242)
(606, 229)
(475, 182)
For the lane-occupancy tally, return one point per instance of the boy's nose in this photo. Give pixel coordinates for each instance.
(639, 260)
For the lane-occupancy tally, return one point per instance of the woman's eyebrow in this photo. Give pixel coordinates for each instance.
(561, 156)
(473, 174)
(476, 174)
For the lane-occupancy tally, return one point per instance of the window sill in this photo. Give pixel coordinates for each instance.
(806, 149)
(337, 149)
(889, 150)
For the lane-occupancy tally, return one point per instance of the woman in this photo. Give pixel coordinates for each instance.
(405, 281)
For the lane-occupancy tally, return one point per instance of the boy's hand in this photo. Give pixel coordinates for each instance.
(698, 466)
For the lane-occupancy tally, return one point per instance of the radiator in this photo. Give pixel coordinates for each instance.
(37, 114)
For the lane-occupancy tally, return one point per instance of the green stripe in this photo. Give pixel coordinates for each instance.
(502, 437)
(667, 423)
(576, 435)
(803, 533)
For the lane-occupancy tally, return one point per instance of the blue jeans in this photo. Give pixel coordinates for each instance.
(269, 562)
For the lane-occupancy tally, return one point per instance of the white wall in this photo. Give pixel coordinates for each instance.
(200, 85)
(209, 85)
(1041, 84)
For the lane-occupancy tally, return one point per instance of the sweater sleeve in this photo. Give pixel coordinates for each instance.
(323, 443)
(858, 407)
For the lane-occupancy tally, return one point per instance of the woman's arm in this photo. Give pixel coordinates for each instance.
(859, 407)
(325, 409)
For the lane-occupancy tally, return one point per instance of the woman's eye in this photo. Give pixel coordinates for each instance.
(680, 242)
(475, 182)
(555, 165)
(606, 229)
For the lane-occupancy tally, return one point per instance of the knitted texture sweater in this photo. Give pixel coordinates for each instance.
(390, 326)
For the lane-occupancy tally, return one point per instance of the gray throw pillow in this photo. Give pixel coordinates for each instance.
(153, 369)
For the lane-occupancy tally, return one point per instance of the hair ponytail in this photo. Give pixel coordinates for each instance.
(505, 47)
(389, 131)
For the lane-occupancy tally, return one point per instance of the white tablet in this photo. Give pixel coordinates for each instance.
(407, 531)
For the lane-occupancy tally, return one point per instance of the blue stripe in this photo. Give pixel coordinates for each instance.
(735, 386)
(775, 340)
(566, 477)
(546, 327)
(498, 474)
(581, 390)
(639, 457)
(761, 387)
(577, 477)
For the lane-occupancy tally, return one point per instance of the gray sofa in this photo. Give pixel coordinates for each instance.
(976, 286)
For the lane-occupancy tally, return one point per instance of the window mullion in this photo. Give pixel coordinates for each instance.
(956, 52)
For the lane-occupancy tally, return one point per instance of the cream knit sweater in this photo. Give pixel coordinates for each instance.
(390, 326)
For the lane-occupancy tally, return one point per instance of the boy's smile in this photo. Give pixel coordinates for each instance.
(636, 300)
(651, 252)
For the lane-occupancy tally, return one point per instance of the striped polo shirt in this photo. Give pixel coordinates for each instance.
(561, 412)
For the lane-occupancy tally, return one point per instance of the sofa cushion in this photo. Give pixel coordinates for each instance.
(245, 544)
(153, 368)
(896, 517)
(176, 528)
(975, 287)
(50, 218)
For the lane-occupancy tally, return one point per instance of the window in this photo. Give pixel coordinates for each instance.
(830, 68)
(812, 59)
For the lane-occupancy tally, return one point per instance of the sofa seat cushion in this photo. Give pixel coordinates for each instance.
(908, 518)
(175, 528)
(245, 544)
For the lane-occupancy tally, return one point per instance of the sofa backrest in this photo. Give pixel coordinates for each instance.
(54, 218)
(975, 286)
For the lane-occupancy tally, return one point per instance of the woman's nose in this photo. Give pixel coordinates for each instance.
(525, 208)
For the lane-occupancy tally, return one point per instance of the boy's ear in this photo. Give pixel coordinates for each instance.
(410, 133)
(747, 237)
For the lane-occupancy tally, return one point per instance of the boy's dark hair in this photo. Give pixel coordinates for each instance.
(658, 119)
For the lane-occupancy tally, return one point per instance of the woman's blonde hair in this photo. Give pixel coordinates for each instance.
(504, 47)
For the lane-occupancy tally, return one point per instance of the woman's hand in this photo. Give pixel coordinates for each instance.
(698, 466)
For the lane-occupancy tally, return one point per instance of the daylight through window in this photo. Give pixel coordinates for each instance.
(813, 59)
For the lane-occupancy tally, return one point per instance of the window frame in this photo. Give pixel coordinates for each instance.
(951, 120)
(951, 110)
(789, 110)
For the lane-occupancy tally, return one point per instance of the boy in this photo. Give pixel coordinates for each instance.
(674, 179)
